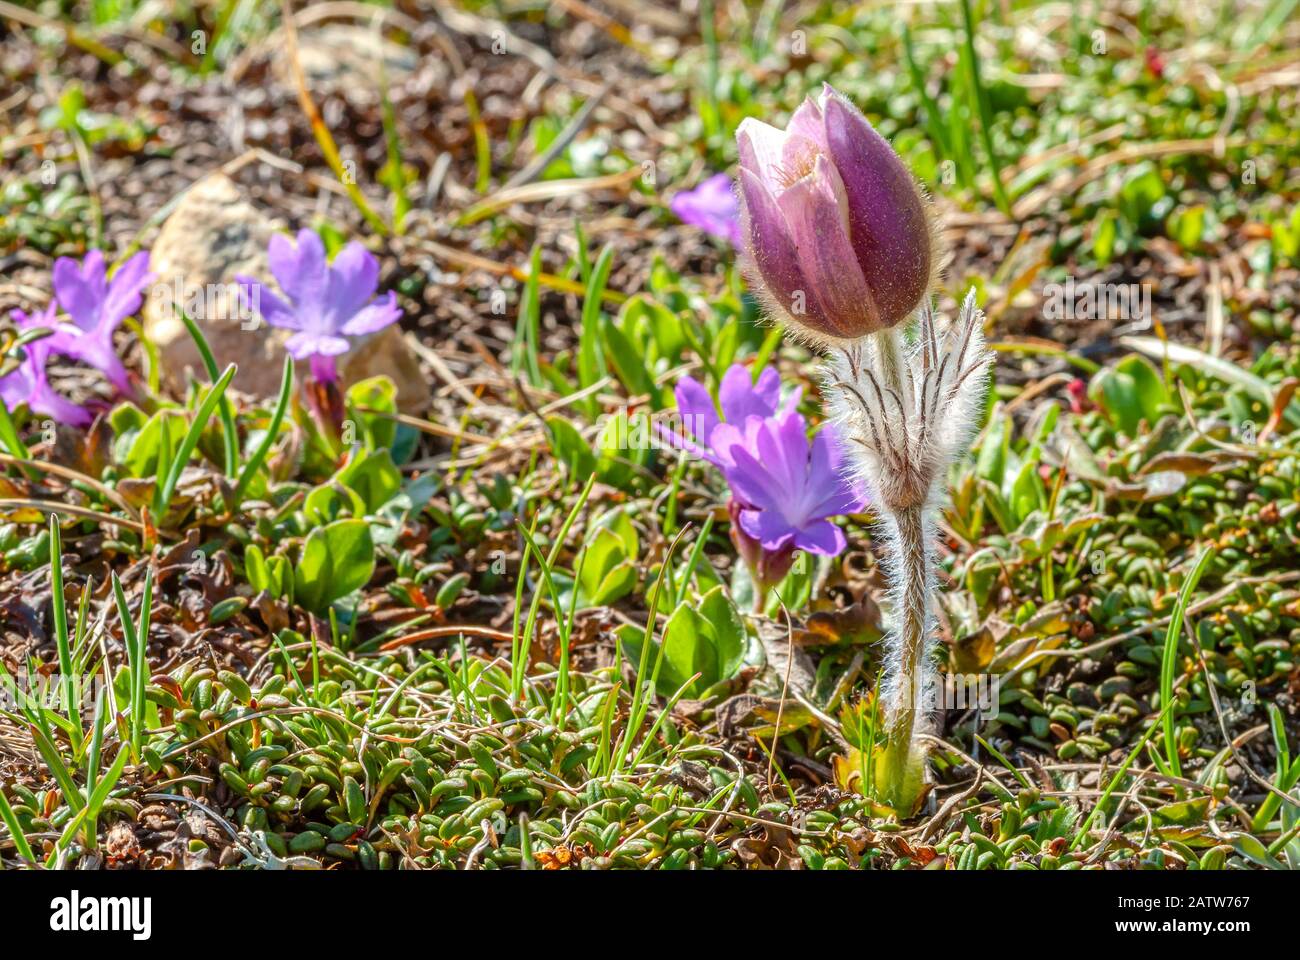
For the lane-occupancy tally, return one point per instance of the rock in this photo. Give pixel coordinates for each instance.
(213, 234)
(346, 58)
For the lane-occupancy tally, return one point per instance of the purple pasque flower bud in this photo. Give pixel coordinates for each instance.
(837, 234)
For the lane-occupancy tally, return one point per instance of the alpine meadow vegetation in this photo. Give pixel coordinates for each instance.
(716, 436)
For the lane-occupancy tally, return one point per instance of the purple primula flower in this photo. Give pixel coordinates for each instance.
(788, 488)
(28, 384)
(328, 302)
(97, 306)
(784, 488)
(741, 398)
(712, 206)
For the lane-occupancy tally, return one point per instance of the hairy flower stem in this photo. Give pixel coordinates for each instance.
(911, 671)
(907, 410)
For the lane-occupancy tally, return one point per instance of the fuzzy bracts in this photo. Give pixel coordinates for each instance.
(907, 412)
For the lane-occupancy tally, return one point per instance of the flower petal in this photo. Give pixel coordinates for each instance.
(833, 494)
(783, 448)
(125, 290)
(761, 148)
(773, 254)
(305, 344)
(821, 537)
(96, 350)
(271, 308)
(712, 206)
(353, 279)
(80, 288)
(373, 317)
(300, 269)
(751, 480)
(888, 225)
(696, 409)
(741, 398)
(816, 212)
(768, 527)
(807, 124)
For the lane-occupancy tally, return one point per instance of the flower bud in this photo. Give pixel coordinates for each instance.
(838, 236)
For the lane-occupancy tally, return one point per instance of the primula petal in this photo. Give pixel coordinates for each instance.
(306, 344)
(16, 387)
(353, 279)
(832, 494)
(96, 350)
(815, 212)
(28, 384)
(783, 450)
(46, 400)
(768, 527)
(712, 207)
(890, 232)
(125, 291)
(722, 440)
(742, 398)
(695, 407)
(301, 272)
(271, 308)
(80, 288)
(820, 537)
(679, 442)
(375, 317)
(750, 480)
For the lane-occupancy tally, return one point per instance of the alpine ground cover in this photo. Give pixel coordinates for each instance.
(403, 467)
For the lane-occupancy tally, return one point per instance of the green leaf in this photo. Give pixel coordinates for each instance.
(1224, 370)
(591, 358)
(377, 394)
(728, 632)
(146, 450)
(336, 559)
(1130, 392)
(1104, 236)
(629, 364)
(570, 448)
(1254, 851)
(688, 650)
(362, 486)
(1140, 194)
(623, 443)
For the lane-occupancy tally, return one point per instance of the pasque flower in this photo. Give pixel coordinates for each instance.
(840, 243)
(28, 384)
(837, 234)
(96, 307)
(327, 302)
(712, 206)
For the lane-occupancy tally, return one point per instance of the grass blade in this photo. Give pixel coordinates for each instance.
(191, 440)
(229, 435)
(1170, 658)
(272, 430)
